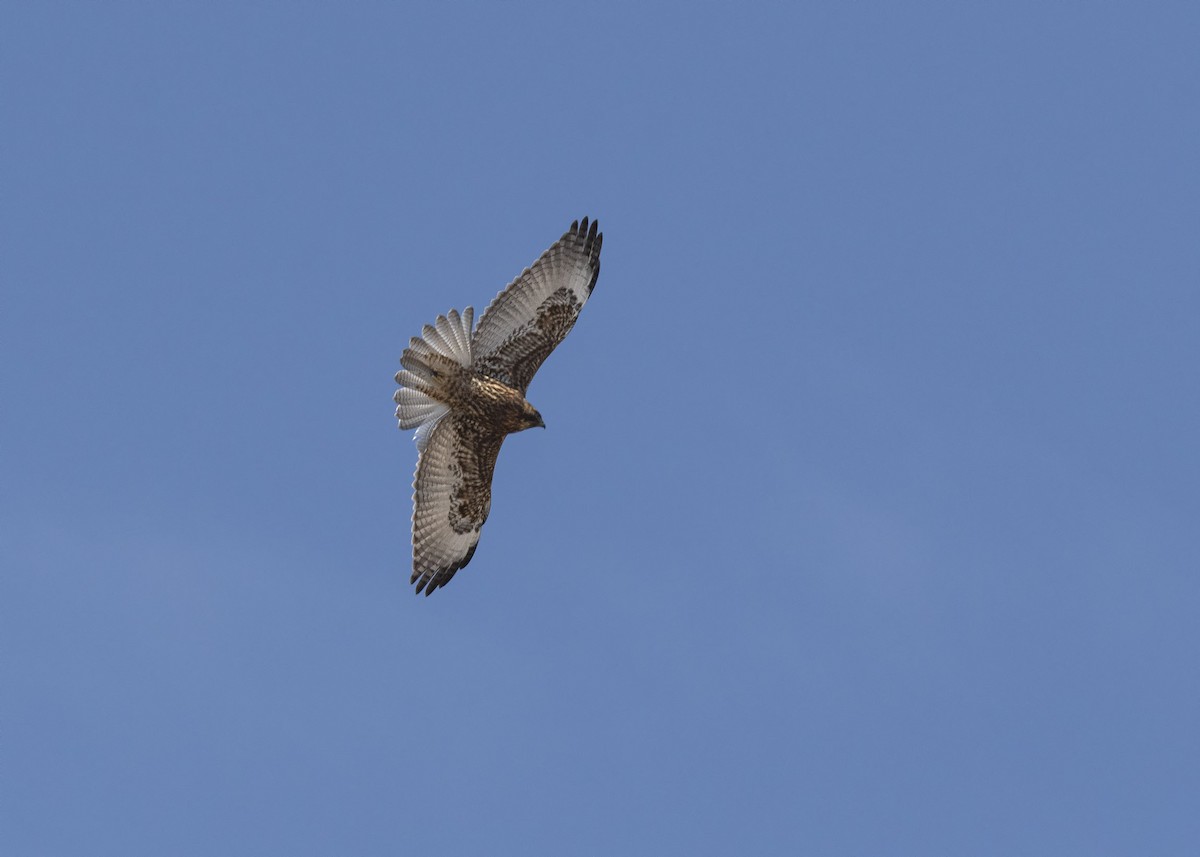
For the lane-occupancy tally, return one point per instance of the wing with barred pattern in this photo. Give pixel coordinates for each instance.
(537, 310)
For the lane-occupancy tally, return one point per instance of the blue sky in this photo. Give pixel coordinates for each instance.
(865, 521)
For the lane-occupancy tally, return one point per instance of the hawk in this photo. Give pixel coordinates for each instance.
(463, 390)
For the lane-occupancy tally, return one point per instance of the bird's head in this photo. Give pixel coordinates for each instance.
(530, 418)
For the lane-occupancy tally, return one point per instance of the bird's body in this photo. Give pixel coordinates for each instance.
(463, 391)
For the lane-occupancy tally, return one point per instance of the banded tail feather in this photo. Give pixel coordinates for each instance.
(443, 348)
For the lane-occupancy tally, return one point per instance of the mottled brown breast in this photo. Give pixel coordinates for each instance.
(498, 405)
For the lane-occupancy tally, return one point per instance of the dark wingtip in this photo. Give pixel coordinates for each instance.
(587, 227)
(593, 241)
(440, 577)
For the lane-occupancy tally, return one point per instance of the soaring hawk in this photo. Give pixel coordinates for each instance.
(463, 390)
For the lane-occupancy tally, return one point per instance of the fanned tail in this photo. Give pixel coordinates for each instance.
(443, 348)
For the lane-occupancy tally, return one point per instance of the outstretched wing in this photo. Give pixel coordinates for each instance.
(537, 310)
(452, 495)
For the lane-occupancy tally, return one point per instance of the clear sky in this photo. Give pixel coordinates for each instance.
(867, 518)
